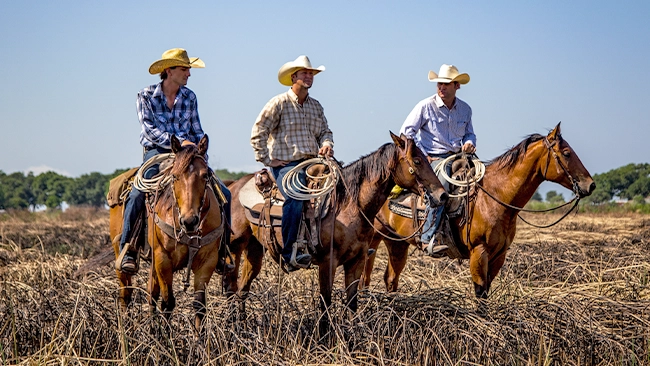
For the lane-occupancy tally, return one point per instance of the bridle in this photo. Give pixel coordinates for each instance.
(194, 239)
(549, 146)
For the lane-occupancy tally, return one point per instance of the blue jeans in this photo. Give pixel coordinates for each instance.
(291, 210)
(135, 200)
(434, 215)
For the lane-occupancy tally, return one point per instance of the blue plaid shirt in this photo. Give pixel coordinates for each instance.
(437, 129)
(159, 122)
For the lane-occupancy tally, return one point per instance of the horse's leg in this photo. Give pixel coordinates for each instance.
(205, 266)
(326, 272)
(353, 271)
(165, 277)
(397, 255)
(493, 269)
(230, 279)
(370, 264)
(125, 296)
(478, 268)
(252, 266)
(153, 288)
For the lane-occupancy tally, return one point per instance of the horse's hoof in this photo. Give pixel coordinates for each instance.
(224, 268)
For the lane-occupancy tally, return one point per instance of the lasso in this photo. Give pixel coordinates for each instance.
(159, 180)
(479, 172)
(295, 189)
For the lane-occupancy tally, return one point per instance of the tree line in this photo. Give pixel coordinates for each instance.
(50, 189)
(22, 191)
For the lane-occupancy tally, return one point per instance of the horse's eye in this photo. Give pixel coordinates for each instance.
(566, 153)
(417, 161)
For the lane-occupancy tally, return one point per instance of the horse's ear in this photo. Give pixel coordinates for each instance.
(399, 141)
(555, 133)
(203, 145)
(176, 144)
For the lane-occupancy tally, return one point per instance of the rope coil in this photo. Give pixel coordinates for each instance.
(470, 181)
(295, 189)
(159, 180)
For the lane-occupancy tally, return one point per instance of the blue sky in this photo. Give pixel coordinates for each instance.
(72, 70)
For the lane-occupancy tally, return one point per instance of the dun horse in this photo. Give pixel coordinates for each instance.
(185, 227)
(363, 188)
(509, 182)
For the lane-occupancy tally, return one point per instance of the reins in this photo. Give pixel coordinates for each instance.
(574, 184)
(194, 240)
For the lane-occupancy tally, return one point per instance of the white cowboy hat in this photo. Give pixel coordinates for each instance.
(448, 74)
(302, 62)
(174, 57)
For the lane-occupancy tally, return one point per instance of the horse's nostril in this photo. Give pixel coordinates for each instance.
(190, 222)
(592, 187)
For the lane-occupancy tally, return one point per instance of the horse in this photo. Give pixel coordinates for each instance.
(485, 233)
(185, 226)
(363, 187)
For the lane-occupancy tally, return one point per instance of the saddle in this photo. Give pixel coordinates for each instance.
(262, 202)
(413, 206)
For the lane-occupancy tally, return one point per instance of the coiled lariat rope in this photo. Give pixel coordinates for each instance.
(470, 181)
(159, 180)
(295, 189)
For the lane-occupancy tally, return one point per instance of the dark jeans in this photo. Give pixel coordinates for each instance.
(135, 200)
(435, 213)
(291, 210)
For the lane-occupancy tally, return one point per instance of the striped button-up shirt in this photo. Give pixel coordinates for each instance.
(158, 122)
(286, 130)
(437, 129)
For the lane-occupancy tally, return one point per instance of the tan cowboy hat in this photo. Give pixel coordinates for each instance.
(174, 57)
(448, 74)
(302, 62)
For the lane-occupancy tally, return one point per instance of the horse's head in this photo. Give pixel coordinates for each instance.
(563, 165)
(190, 179)
(414, 170)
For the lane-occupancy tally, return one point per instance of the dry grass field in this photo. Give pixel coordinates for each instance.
(577, 293)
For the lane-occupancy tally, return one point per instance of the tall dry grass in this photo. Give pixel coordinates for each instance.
(575, 294)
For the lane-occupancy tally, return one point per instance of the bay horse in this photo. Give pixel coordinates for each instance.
(363, 187)
(185, 226)
(509, 182)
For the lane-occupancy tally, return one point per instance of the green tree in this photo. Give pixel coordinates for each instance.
(537, 197)
(49, 189)
(16, 190)
(88, 189)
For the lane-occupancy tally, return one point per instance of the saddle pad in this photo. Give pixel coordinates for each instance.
(406, 199)
(249, 196)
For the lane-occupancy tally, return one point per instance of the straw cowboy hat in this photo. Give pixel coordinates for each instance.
(174, 57)
(302, 62)
(448, 74)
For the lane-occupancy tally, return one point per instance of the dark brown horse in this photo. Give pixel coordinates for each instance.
(362, 189)
(185, 223)
(512, 179)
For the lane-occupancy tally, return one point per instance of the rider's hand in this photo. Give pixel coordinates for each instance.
(326, 150)
(276, 163)
(468, 148)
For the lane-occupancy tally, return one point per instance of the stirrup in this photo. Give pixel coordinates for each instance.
(303, 256)
(435, 251)
(120, 259)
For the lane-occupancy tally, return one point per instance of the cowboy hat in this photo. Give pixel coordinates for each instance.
(448, 74)
(302, 62)
(174, 57)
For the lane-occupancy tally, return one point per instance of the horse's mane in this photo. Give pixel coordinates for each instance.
(509, 159)
(182, 160)
(375, 166)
